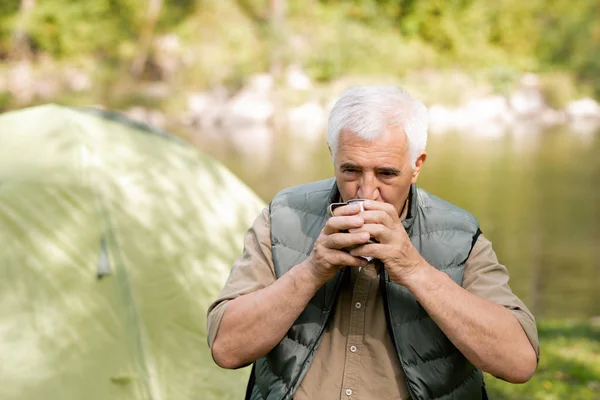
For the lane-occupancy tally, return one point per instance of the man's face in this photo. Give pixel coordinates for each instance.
(378, 169)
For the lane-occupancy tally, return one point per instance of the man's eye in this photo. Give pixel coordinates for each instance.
(387, 174)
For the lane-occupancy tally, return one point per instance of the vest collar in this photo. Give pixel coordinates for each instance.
(412, 208)
(334, 194)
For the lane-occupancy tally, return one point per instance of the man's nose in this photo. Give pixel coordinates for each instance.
(368, 187)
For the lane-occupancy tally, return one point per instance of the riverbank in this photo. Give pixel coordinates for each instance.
(198, 68)
(248, 117)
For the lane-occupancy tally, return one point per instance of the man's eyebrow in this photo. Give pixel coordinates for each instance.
(389, 170)
(349, 165)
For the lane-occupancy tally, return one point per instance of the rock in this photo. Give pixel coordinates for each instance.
(527, 102)
(243, 121)
(156, 90)
(307, 122)
(157, 118)
(487, 116)
(47, 88)
(154, 118)
(487, 109)
(253, 141)
(248, 109)
(21, 82)
(77, 80)
(583, 116)
(252, 146)
(492, 116)
(306, 125)
(583, 109)
(297, 79)
(252, 105)
(585, 126)
(137, 113)
(551, 117)
(260, 84)
(530, 81)
(488, 130)
(442, 119)
(205, 109)
(168, 54)
(198, 103)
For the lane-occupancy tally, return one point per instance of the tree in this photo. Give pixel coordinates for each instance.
(21, 47)
(146, 36)
(277, 25)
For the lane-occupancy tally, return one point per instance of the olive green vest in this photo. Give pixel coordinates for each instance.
(444, 235)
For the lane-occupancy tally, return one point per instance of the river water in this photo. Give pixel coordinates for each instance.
(536, 195)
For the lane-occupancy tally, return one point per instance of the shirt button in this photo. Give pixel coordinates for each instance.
(358, 305)
(348, 392)
(353, 349)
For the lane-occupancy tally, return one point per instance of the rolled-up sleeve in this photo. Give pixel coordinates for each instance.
(252, 271)
(485, 277)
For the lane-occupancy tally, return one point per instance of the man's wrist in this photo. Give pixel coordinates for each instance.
(422, 277)
(304, 278)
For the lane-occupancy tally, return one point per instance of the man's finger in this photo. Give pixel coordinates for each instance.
(377, 217)
(367, 250)
(342, 223)
(340, 241)
(389, 209)
(345, 259)
(349, 209)
(378, 232)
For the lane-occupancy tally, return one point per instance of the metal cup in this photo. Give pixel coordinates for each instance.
(333, 206)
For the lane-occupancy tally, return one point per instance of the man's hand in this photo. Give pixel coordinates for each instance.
(254, 323)
(328, 254)
(395, 250)
(487, 334)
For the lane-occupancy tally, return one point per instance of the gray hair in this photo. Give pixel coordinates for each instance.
(368, 110)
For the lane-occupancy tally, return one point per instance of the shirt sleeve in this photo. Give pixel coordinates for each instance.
(252, 271)
(485, 277)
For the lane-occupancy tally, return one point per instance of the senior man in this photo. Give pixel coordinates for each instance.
(400, 298)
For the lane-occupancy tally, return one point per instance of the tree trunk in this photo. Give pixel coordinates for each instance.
(146, 36)
(20, 47)
(277, 22)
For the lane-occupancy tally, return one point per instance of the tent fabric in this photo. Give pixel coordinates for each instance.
(114, 239)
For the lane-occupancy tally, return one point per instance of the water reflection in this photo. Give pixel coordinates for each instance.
(538, 200)
(536, 194)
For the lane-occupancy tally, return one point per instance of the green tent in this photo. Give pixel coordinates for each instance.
(114, 239)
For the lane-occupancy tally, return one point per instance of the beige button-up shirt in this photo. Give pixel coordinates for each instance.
(356, 358)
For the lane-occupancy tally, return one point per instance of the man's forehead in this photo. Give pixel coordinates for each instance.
(390, 134)
(391, 147)
(376, 165)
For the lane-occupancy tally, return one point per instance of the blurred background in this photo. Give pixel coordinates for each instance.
(512, 89)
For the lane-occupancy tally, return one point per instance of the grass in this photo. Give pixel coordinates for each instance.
(569, 365)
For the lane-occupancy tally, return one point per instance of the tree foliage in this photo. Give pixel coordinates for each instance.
(536, 35)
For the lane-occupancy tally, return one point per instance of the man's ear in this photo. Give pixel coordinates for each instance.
(418, 165)
(331, 155)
